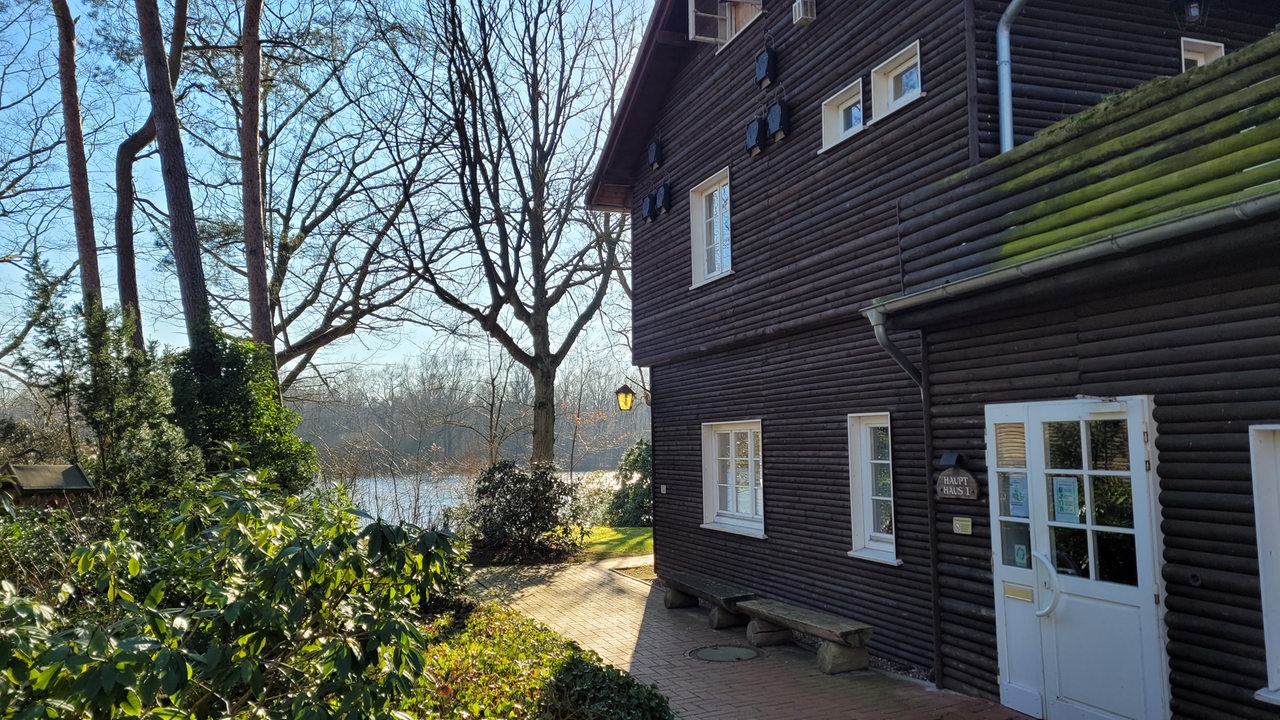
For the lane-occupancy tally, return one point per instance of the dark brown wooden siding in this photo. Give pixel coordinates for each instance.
(1205, 342)
(814, 234)
(1067, 54)
(806, 478)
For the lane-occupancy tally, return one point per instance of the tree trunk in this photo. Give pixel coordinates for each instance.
(126, 154)
(255, 255)
(177, 190)
(77, 167)
(544, 411)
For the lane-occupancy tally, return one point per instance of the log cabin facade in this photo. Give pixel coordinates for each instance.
(804, 187)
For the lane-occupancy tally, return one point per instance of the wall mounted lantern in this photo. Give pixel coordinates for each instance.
(756, 136)
(766, 68)
(662, 198)
(626, 398)
(778, 119)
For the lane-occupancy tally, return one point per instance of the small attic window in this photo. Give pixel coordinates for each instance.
(1196, 53)
(716, 22)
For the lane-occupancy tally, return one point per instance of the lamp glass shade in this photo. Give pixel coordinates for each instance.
(626, 398)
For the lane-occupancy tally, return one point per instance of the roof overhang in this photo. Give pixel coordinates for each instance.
(662, 51)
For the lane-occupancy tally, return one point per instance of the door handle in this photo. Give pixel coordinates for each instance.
(1052, 586)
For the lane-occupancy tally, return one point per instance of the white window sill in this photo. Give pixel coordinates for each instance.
(884, 557)
(894, 109)
(735, 529)
(1269, 695)
(843, 140)
(711, 279)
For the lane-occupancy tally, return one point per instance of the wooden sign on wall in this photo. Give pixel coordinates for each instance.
(956, 484)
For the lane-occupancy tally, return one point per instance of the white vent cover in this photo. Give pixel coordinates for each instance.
(804, 12)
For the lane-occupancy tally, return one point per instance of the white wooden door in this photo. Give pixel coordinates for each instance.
(1073, 543)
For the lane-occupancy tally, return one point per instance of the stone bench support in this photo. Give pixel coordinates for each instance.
(844, 642)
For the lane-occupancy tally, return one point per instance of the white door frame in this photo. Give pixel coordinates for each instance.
(1019, 590)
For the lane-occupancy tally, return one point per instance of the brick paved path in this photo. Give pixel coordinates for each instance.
(624, 620)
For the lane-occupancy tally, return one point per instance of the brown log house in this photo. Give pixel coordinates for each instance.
(1018, 411)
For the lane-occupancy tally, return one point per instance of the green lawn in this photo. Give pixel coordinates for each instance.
(611, 542)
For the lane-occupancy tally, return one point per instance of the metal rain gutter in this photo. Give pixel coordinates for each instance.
(877, 319)
(1004, 73)
(1116, 244)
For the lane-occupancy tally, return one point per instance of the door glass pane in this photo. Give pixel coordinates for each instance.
(879, 442)
(1062, 445)
(1112, 501)
(1013, 495)
(1108, 445)
(1066, 498)
(883, 520)
(883, 480)
(1011, 445)
(1117, 558)
(1015, 540)
(1070, 551)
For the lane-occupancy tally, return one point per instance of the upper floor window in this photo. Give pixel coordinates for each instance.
(709, 213)
(842, 115)
(1196, 53)
(733, 477)
(719, 21)
(897, 81)
(871, 488)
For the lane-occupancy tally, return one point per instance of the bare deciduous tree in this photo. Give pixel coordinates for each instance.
(527, 88)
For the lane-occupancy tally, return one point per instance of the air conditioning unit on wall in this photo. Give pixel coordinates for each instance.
(804, 12)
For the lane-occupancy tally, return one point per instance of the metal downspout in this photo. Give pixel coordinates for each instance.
(877, 323)
(1004, 73)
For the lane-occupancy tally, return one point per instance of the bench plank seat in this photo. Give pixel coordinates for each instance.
(717, 592)
(813, 622)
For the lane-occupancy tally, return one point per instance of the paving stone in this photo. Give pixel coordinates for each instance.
(624, 621)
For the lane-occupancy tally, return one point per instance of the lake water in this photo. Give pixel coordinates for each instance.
(417, 499)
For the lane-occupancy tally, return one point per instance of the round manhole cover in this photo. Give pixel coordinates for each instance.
(724, 653)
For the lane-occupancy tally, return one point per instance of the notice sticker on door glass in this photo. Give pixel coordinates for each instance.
(1018, 496)
(1066, 500)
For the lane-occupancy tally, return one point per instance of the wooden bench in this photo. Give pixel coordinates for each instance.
(684, 589)
(844, 642)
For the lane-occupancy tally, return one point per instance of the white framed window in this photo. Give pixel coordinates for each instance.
(718, 21)
(1264, 447)
(733, 477)
(896, 81)
(1196, 53)
(842, 115)
(871, 488)
(710, 232)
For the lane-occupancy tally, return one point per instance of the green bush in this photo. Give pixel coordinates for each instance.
(500, 664)
(632, 504)
(241, 406)
(285, 608)
(519, 515)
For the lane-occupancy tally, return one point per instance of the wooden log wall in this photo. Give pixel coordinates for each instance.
(1204, 339)
(1068, 55)
(814, 234)
(806, 479)
(1196, 141)
(814, 238)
